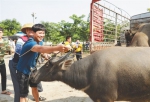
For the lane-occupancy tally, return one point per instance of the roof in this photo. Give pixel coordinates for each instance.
(142, 15)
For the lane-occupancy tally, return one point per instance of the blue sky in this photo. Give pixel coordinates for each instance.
(57, 10)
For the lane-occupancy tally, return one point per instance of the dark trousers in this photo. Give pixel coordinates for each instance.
(12, 67)
(3, 76)
(78, 55)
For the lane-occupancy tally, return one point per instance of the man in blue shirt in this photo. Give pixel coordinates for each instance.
(28, 58)
(14, 61)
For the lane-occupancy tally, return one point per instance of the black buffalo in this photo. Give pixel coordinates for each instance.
(128, 36)
(113, 74)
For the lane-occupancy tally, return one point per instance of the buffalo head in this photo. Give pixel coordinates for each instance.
(52, 69)
(128, 37)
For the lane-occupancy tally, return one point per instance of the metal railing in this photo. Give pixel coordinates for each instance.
(115, 21)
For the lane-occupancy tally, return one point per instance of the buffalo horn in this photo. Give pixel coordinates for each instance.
(62, 58)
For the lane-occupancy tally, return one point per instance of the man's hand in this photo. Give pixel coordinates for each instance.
(63, 48)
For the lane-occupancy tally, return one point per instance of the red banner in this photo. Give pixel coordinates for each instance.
(96, 23)
(95, 1)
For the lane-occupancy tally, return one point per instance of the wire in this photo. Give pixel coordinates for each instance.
(117, 7)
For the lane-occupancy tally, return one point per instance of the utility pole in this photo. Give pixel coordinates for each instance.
(33, 15)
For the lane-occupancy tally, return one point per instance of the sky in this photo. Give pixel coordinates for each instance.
(57, 10)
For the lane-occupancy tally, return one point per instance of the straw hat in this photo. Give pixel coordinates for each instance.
(25, 26)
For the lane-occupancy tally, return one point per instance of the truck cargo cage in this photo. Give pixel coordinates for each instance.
(107, 24)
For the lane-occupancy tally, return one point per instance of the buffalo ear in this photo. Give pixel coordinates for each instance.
(67, 64)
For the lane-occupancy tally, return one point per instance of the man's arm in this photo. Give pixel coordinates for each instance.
(49, 49)
(45, 56)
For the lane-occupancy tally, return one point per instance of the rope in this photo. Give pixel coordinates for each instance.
(25, 53)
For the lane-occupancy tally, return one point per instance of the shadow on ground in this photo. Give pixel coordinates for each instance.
(71, 99)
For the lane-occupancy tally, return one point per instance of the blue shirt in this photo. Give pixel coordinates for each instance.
(28, 60)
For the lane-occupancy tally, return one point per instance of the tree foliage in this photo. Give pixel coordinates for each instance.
(148, 9)
(52, 32)
(78, 28)
(10, 26)
(111, 30)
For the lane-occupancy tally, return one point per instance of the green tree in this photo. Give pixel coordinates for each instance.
(57, 32)
(80, 28)
(10, 26)
(52, 32)
(65, 28)
(148, 9)
(85, 31)
(110, 29)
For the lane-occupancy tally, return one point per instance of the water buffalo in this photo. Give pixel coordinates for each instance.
(142, 36)
(112, 74)
(128, 37)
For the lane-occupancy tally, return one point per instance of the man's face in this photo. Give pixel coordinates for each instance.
(1, 34)
(39, 35)
(69, 40)
(29, 32)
